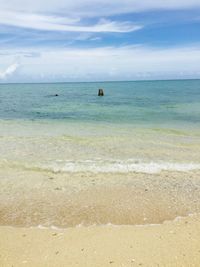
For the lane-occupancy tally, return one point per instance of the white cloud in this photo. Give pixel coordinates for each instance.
(56, 23)
(65, 15)
(110, 63)
(9, 71)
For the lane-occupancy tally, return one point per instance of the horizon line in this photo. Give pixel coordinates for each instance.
(109, 81)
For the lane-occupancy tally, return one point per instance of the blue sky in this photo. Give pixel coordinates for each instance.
(93, 40)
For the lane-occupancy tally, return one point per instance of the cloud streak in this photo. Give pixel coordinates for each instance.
(58, 23)
(69, 16)
(111, 63)
(9, 71)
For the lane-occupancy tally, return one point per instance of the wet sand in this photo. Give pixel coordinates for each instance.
(171, 244)
(32, 198)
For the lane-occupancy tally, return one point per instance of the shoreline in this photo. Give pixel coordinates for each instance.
(98, 182)
(171, 244)
(31, 198)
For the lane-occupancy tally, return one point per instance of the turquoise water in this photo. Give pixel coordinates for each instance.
(137, 126)
(155, 103)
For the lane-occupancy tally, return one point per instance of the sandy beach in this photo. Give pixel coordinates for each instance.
(170, 244)
(144, 210)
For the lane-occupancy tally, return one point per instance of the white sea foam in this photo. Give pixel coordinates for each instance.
(82, 225)
(108, 166)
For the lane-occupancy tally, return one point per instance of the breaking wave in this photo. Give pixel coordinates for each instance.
(99, 166)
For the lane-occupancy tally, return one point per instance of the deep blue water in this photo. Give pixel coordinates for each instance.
(142, 102)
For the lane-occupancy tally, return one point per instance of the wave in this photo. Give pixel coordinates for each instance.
(177, 219)
(103, 166)
(118, 166)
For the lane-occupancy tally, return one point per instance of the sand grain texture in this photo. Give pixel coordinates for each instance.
(174, 243)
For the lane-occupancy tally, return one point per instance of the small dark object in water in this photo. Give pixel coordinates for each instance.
(101, 92)
(56, 95)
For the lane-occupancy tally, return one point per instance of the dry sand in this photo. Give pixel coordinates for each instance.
(174, 243)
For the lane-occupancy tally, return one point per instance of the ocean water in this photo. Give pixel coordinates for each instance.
(77, 158)
(147, 103)
(137, 126)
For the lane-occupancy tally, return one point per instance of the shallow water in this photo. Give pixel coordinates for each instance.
(136, 103)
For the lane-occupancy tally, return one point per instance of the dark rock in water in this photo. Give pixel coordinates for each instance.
(52, 95)
(101, 92)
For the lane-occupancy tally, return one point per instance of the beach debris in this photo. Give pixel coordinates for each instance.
(101, 92)
(57, 188)
(54, 234)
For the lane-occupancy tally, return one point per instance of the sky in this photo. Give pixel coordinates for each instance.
(99, 40)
